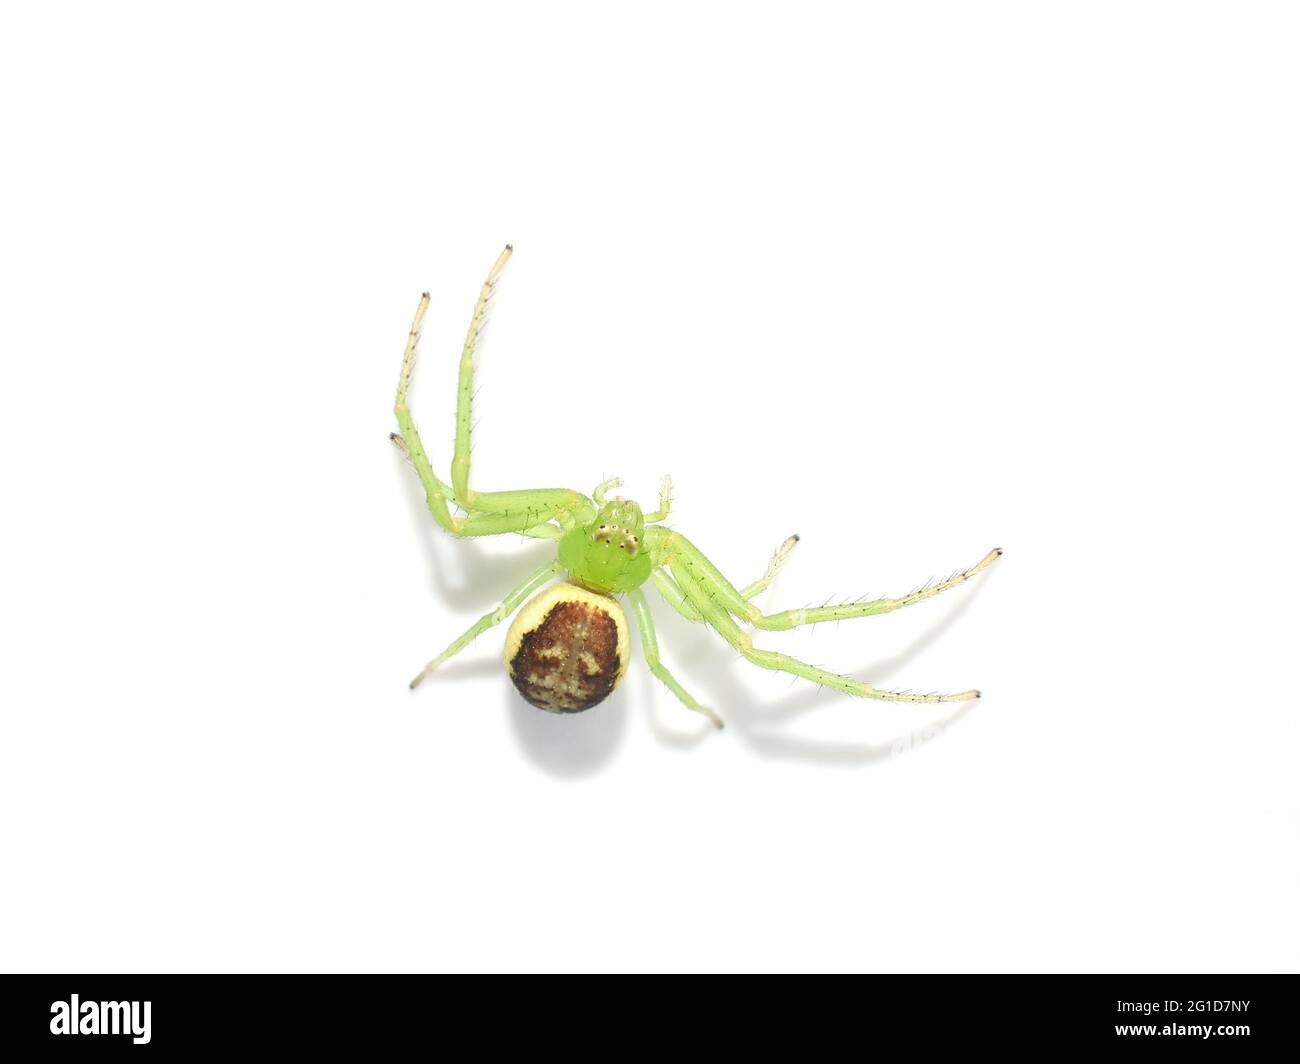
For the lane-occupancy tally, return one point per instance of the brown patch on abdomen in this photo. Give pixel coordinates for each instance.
(570, 661)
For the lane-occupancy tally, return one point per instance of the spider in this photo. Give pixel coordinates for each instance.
(569, 646)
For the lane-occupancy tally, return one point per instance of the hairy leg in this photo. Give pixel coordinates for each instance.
(773, 567)
(678, 553)
(650, 648)
(493, 512)
(703, 595)
(529, 513)
(508, 606)
(435, 491)
(672, 594)
(675, 550)
(465, 386)
(541, 504)
(602, 489)
(674, 597)
(564, 510)
(787, 619)
(665, 502)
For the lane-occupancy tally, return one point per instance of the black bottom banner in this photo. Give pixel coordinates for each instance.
(365, 1016)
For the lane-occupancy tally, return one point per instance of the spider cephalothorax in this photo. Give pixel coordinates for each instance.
(568, 648)
(606, 554)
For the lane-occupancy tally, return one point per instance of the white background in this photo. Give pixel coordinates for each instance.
(911, 280)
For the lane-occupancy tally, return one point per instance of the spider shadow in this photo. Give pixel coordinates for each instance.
(753, 723)
(569, 745)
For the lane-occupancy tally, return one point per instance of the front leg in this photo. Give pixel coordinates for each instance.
(465, 386)
(436, 493)
(492, 513)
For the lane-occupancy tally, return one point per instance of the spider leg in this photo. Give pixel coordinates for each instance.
(674, 597)
(700, 588)
(604, 488)
(650, 648)
(465, 387)
(787, 619)
(773, 567)
(665, 502)
(675, 549)
(509, 604)
(529, 513)
(490, 513)
(536, 505)
(672, 549)
(435, 491)
(665, 496)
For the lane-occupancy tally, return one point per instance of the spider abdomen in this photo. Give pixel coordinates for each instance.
(567, 648)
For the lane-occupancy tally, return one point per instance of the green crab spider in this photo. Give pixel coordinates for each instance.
(569, 645)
